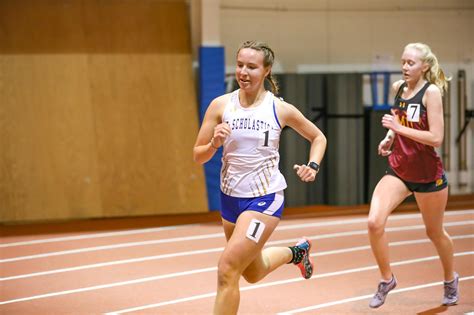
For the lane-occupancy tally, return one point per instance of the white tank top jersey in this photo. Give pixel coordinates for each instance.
(250, 157)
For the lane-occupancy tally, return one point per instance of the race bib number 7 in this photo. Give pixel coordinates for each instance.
(413, 112)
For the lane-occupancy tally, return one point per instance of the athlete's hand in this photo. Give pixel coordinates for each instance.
(384, 147)
(391, 122)
(306, 173)
(221, 132)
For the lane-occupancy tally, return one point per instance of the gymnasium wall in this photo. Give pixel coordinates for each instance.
(344, 36)
(98, 110)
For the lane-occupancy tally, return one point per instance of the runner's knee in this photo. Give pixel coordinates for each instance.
(375, 226)
(435, 234)
(227, 272)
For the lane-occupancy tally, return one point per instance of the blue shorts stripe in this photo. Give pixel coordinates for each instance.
(276, 204)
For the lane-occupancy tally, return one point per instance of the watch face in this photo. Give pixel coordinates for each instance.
(314, 166)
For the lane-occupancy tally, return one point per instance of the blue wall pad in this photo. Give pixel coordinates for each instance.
(374, 79)
(211, 85)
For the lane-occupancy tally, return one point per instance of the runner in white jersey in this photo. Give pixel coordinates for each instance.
(248, 123)
(250, 158)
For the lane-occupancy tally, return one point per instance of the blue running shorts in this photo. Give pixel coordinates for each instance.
(232, 207)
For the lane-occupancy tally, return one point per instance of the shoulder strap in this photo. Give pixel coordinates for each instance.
(425, 87)
(231, 102)
(400, 90)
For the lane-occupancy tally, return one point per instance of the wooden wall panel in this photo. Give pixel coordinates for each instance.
(98, 111)
(48, 161)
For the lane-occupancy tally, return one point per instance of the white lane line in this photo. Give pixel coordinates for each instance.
(104, 286)
(156, 257)
(97, 287)
(114, 246)
(394, 217)
(274, 283)
(366, 297)
(122, 283)
(114, 263)
(281, 227)
(66, 292)
(364, 232)
(95, 235)
(392, 244)
(155, 242)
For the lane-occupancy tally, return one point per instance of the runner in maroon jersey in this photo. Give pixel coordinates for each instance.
(415, 129)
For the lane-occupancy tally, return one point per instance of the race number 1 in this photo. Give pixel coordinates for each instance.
(255, 230)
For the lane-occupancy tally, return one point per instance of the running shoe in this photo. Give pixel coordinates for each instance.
(301, 257)
(451, 291)
(384, 287)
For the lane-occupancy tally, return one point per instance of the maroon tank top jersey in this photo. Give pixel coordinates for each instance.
(411, 160)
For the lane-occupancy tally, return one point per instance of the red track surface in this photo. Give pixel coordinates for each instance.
(171, 270)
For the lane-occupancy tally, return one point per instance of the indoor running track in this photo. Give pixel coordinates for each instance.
(172, 270)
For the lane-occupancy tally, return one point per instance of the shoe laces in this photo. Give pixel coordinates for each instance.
(450, 289)
(382, 289)
(303, 245)
(379, 295)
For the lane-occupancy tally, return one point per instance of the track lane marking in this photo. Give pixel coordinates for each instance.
(274, 283)
(94, 235)
(156, 257)
(368, 296)
(193, 238)
(252, 287)
(281, 227)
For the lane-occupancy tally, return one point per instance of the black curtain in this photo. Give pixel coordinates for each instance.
(351, 167)
(334, 103)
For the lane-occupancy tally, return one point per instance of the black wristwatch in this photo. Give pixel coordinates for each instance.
(314, 166)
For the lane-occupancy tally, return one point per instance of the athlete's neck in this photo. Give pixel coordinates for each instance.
(416, 86)
(251, 99)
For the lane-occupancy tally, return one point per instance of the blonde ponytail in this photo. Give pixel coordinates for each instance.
(435, 75)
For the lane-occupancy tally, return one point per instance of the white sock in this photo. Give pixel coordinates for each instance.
(387, 281)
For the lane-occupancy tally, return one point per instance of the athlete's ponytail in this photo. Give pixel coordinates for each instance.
(268, 59)
(435, 74)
